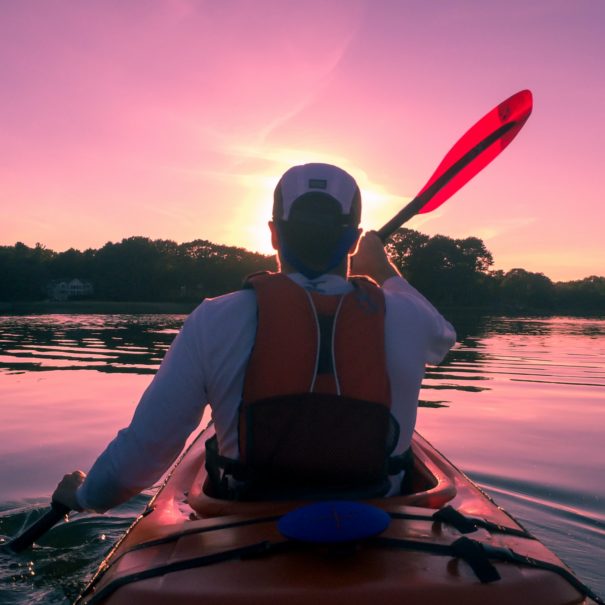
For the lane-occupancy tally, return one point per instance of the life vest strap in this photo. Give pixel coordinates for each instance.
(230, 479)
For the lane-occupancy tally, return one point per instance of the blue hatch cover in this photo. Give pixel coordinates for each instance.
(333, 521)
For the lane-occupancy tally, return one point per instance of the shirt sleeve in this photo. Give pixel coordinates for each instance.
(439, 333)
(168, 412)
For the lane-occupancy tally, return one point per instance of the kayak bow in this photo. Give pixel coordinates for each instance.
(446, 542)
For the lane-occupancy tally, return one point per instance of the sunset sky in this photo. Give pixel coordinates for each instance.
(174, 119)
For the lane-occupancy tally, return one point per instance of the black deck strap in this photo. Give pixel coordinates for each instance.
(462, 523)
(200, 530)
(444, 550)
(506, 554)
(466, 549)
(452, 517)
(245, 552)
(475, 555)
(467, 525)
(189, 532)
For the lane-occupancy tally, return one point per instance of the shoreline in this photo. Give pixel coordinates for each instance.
(110, 307)
(93, 307)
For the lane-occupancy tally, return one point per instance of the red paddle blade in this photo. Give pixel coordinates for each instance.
(475, 150)
(482, 143)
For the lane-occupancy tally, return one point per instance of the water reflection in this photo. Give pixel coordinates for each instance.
(519, 404)
(548, 351)
(105, 343)
(471, 325)
(488, 347)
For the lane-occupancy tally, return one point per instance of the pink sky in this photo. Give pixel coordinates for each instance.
(174, 119)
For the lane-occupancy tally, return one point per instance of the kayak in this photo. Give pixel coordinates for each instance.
(444, 541)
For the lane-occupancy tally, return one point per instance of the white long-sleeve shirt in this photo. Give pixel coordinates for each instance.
(206, 364)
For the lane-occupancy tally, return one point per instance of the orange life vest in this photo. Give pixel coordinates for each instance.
(315, 411)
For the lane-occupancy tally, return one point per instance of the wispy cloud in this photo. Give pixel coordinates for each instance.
(504, 227)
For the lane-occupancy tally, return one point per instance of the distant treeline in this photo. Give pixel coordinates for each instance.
(450, 272)
(135, 269)
(458, 272)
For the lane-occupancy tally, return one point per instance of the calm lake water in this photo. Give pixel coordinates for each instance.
(519, 405)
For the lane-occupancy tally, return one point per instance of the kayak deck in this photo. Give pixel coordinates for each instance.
(189, 548)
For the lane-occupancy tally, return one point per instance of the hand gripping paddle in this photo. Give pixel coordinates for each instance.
(473, 151)
(37, 529)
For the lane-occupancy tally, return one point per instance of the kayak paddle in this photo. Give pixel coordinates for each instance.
(41, 526)
(473, 151)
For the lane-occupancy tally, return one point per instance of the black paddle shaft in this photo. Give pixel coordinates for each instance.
(420, 201)
(41, 526)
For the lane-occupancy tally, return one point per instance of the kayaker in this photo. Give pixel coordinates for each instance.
(282, 331)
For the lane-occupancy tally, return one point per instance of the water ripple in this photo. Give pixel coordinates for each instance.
(60, 564)
(580, 507)
(522, 395)
(109, 343)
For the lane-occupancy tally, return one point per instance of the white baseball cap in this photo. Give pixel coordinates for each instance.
(303, 188)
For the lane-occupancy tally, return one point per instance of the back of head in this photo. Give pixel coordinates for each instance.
(316, 210)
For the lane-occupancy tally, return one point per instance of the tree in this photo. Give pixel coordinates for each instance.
(585, 294)
(447, 271)
(128, 270)
(24, 271)
(215, 269)
(403, 245)
(521, 289)
(72, 263)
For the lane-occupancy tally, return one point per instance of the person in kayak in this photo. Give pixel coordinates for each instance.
(311, 375)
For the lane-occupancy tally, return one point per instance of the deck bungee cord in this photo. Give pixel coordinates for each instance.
(478, 555)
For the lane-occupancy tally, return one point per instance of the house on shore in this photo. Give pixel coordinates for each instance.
(67, 289)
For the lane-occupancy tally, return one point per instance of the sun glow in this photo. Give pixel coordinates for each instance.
(378, 205)
(249, 229)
